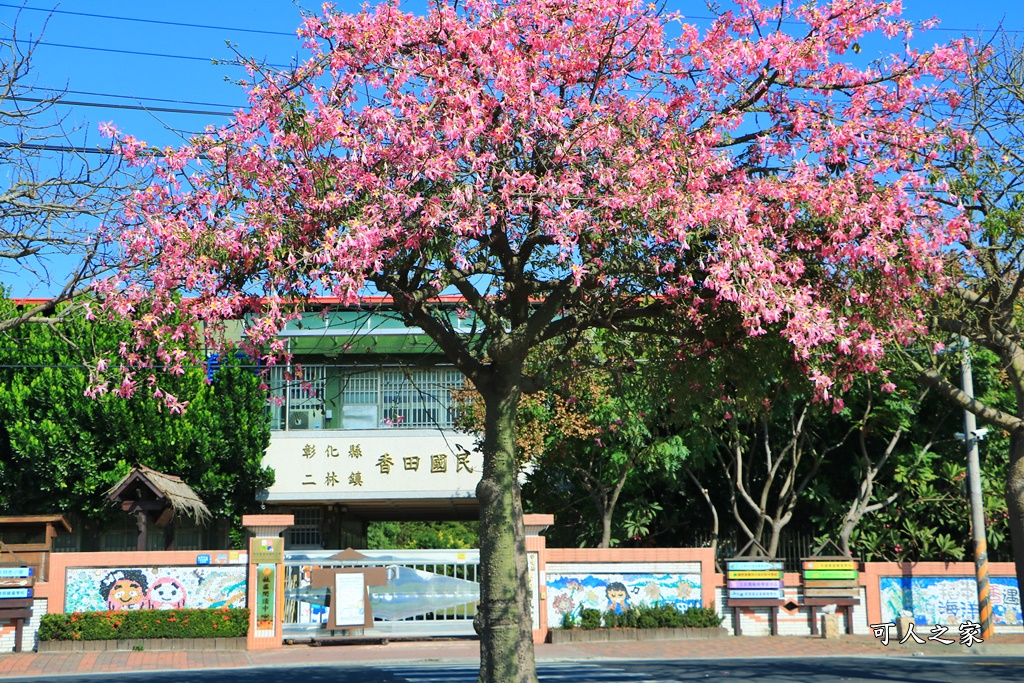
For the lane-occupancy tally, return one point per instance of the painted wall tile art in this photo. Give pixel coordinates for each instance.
(947, 600)
(92, 589)
(569, 594)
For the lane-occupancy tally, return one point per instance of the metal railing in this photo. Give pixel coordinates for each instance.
(792, 547)
(428, 593)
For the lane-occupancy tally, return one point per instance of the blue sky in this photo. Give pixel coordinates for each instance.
(159, 54)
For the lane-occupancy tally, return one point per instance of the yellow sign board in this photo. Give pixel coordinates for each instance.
(830, 564)
(267, 550)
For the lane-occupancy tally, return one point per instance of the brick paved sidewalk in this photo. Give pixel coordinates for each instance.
(57, 663)
(52, 664)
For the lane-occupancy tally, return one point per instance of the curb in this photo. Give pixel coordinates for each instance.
(998, 650)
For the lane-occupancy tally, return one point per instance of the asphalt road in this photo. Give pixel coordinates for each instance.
(775, 670)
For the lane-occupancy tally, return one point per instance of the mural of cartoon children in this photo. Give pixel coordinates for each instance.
(124, 589)
(617, 594)
(167, 593)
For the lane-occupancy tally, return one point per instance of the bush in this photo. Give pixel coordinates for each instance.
(122, 625)
(590, 619)
(663, 616)
(702, 617)
(627, 619)
(568, 620)
(668, 616)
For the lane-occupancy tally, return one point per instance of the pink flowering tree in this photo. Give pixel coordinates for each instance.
(563, 165)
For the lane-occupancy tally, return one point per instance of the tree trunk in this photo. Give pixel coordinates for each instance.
(1015, 501)
(714, 514)
(606, 528)
(849, 524)
(503, 619)
(773, 539)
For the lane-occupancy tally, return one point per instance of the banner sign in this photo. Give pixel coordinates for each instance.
(266, 587)
(831, 579)
(16, 572)
(755, 579)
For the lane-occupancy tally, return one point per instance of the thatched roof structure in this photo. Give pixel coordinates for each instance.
(143, 487)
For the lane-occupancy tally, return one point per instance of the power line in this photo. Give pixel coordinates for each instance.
(111, 105)
(292, 34)
(71, 149)
(138, 98)
(150, 21)
(211, 60)
(947, 29)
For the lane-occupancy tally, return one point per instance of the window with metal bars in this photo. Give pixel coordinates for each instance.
(305, 533)
(297, 396)
(322, 397)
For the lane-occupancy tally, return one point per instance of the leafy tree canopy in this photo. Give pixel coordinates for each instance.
(61, 451)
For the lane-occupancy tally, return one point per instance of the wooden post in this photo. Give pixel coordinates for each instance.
(142, 522)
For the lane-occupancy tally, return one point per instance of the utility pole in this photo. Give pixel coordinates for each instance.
(971, 438)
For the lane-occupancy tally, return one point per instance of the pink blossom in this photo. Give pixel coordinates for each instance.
(614, 159)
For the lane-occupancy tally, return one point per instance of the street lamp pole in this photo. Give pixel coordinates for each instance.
(971, 438)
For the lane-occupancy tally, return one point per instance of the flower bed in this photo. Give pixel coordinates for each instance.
(145, 624)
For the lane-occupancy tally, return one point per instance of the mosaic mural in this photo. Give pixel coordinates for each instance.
(572, 593)
(952, 600)
(91, 589)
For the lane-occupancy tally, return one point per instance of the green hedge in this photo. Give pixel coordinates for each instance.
(646, 616)
(175, 623)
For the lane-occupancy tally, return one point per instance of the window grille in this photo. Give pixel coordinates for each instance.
(297, 396)
(417, 398)
(305, 533)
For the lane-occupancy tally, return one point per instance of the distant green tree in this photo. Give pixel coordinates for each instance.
(591, 439)
(61, 451)
(422, 535)
(897, 490)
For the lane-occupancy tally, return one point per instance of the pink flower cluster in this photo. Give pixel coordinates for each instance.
(595, 149)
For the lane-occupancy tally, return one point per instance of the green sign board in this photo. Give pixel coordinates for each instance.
(830, 574)
(266, 586)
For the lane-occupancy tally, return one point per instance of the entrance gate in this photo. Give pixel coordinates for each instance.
(428, 593)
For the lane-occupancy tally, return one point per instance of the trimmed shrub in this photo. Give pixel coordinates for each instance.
(702, 617)
(663, 616)
(625, 620)
(122, 625)
(590, 619)
(568, 620)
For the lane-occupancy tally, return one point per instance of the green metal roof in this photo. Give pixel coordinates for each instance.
(354, 331)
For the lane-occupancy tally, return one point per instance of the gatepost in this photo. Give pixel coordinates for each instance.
(266, 579)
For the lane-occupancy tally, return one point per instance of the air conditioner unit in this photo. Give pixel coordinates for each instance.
(303, 419)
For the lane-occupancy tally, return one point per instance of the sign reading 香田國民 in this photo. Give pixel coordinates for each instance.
(391, 464)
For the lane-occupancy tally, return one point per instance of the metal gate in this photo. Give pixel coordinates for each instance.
(428, 593)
